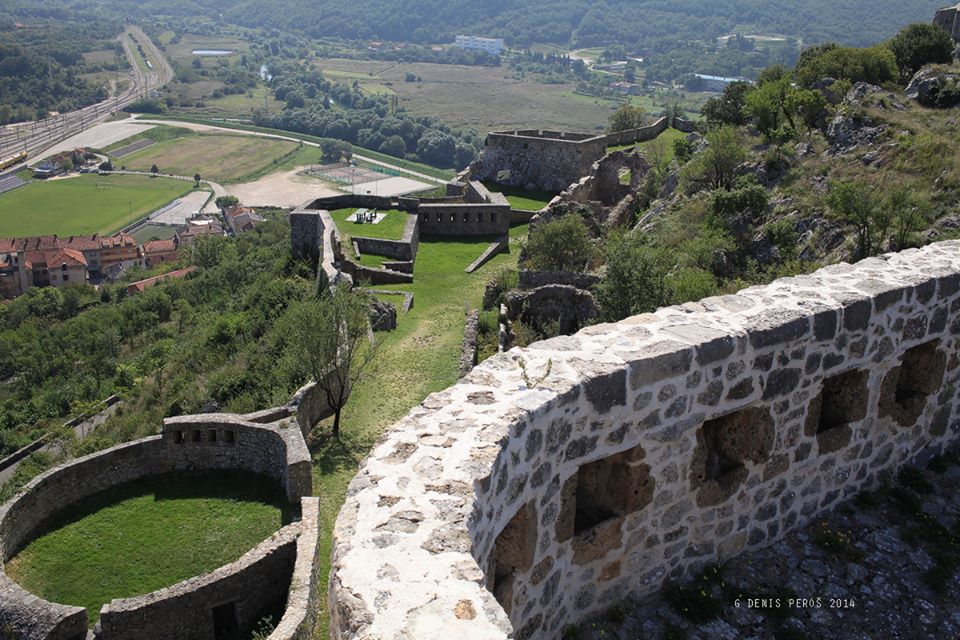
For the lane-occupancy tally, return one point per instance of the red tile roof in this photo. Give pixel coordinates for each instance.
(69, 257)
(160, 246)
(141, 285)
(117, 241)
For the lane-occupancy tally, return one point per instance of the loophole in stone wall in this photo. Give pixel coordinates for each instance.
(513, 553)
(906, 388)
(841, 401)
(724, 446)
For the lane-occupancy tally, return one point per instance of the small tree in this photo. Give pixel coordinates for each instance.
(716, 167)
(333, 333)
(627, 117)
(563, 244)
(635, 280)
(920, 44)
(154, 169)
(854, 203)
(196, 179)
(226, 201)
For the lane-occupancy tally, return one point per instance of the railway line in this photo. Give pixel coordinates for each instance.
(36, 136)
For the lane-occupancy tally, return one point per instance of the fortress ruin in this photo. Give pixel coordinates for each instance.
(555, 480)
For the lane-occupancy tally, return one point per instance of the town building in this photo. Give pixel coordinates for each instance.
(493, 46)
(199, 227)
(142, 285)
(241, 219)
(119, 250)
(716, 83)
(160, 251)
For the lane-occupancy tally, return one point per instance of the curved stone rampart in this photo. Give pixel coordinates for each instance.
(188, 443)
(555, 480)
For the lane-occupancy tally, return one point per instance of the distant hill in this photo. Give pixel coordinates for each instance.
(583, 22)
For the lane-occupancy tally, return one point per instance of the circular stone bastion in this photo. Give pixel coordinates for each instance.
(280, 573)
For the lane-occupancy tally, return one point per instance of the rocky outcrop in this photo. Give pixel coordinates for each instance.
(565, 305)
(934, 89)
(383, 315)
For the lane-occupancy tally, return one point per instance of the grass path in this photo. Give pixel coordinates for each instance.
(422, 356)
(152, 534)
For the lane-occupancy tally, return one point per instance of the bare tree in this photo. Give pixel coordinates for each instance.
(333, 334)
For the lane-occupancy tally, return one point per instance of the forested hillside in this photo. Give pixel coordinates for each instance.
(42, 65)
(645, 24)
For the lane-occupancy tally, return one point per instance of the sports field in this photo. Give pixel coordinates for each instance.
(222, 158)
(84, 204)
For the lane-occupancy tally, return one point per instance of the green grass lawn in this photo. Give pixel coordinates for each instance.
(153, 232)
(390, 228)
(84, 204)
(420, 357)
(523, 199)
(149, 534)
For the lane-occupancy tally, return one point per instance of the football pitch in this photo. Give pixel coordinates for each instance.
(84, 204)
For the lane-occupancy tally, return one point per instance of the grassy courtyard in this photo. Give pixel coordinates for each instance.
(523, 199)
(220, 157)
(147, 535)
(390, 228)
(420, 357)
(84, 204)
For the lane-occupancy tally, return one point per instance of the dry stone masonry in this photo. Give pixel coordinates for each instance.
(553, 481)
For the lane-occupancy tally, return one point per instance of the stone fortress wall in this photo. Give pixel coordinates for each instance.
(555, 480)
(270, 443)
(553, 160)
(947, 18)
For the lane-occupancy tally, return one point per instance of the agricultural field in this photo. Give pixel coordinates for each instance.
(239, 105)
(182, 52)
(220, 157)
(84, 204)
(152, 534)
(484, 98)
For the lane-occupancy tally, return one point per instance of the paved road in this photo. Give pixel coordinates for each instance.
(37, 136)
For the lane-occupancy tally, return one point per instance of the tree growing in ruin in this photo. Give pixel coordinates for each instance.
(332, 332)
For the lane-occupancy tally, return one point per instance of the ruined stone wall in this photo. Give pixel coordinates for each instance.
(549, 161)
(642, 134)
(404, 249)
(947, 19)
(248, 589)
(555, 480)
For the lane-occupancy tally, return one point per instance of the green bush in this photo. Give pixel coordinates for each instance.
(563, 244)
(752, 199)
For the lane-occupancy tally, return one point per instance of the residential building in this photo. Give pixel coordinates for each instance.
(716, 83)
(627, 88)
(241, 219)
(493, 46)
(199, 227)
(66, 266)
(120, 249)
(159, 251)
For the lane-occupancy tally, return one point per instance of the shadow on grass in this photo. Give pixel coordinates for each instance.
(233, 485)
(332, 454)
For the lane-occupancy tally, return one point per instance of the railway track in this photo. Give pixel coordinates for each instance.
(36, 136)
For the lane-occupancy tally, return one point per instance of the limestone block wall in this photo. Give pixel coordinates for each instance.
(239, 594)
(641, 134)
(555, 480)
(546, 160)
(947, 19)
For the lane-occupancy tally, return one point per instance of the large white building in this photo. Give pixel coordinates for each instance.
(493, 46)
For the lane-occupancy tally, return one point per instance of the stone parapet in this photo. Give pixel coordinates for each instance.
(301, 612)
(554, 481)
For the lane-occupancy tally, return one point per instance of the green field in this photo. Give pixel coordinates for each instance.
(153, 232)
(149, 534)
(523, 199)
(84, 204)
(220, 157)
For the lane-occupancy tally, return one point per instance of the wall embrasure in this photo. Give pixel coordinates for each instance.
(555, 480)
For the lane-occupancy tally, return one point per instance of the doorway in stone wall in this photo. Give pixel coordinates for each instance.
(226, 626)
